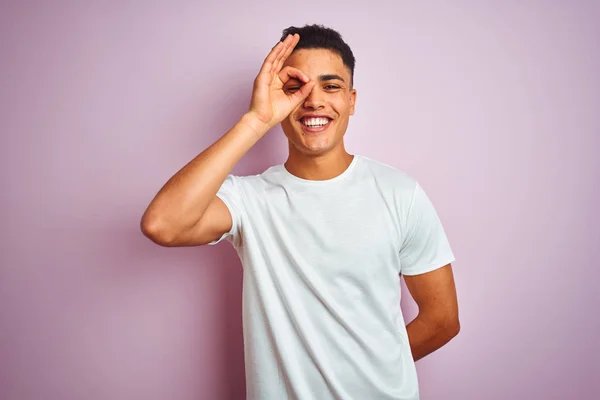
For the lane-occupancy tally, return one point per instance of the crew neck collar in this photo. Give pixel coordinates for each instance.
(339, 177)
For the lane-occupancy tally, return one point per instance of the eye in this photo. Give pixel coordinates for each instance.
(332, 87)
(292, 89)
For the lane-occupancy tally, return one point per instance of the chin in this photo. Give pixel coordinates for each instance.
(310, 143)
(314, 146)
(311, 151)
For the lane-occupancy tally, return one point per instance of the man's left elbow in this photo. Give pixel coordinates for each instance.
(451, 327)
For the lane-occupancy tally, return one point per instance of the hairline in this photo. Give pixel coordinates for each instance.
(347, 67)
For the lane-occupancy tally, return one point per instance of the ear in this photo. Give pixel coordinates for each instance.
(352, 101)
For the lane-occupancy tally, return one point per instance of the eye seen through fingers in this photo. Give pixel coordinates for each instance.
(296, 85)
(292, 86)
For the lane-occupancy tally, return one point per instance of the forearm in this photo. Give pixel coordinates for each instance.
(427, 334)
(182, 201)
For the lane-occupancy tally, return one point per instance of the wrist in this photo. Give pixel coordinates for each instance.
(259, 127)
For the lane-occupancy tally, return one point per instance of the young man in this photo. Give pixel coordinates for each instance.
(323, 238)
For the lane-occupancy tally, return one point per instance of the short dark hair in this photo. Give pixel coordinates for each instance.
(321, 37)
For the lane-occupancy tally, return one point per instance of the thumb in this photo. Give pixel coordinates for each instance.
(292, 73)
(303, 92)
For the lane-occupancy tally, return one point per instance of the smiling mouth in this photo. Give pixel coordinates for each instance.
(315, 124)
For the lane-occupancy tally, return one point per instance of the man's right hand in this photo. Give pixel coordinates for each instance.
(270, 104)
(186, 210)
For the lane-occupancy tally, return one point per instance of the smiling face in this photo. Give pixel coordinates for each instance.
(317, 126)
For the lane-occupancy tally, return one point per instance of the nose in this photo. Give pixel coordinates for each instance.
(314, 100)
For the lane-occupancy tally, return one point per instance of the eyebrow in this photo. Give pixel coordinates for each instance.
(330, 77)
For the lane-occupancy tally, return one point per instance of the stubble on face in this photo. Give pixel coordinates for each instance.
(333, 98)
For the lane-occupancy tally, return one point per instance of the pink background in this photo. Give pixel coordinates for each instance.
(494, 107)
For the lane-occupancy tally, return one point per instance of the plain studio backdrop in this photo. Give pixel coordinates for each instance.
(493, 106)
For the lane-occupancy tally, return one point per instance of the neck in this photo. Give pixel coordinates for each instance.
(320, 167)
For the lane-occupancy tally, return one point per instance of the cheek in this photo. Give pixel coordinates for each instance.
(342, 103)
(291, 117)
(343, 107)
(288, 128)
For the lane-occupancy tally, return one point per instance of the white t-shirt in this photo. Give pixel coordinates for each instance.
(321, 286)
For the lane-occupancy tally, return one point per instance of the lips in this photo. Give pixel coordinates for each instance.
(314, 123)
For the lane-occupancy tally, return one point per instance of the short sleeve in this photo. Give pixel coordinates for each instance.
(425, 246)
(230, 193)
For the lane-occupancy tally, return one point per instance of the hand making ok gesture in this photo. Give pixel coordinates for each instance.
(270, 103)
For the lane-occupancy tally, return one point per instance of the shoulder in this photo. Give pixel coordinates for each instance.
(391, 177)
(270, 177)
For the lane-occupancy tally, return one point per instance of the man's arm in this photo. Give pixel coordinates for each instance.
(437, 322)
(186, 211)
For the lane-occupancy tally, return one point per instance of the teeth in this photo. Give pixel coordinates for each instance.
(312, 122)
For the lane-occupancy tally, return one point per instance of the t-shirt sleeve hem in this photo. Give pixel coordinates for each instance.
(228, 234)
(423, 269)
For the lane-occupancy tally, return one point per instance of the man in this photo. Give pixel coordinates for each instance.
(323, 238)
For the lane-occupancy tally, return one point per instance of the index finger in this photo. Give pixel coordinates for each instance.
(271, 58)
(288, 50)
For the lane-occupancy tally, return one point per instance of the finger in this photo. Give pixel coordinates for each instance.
(276, 66)
(299, 95)
(271, 58)
(292, 73)
(288, 50)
